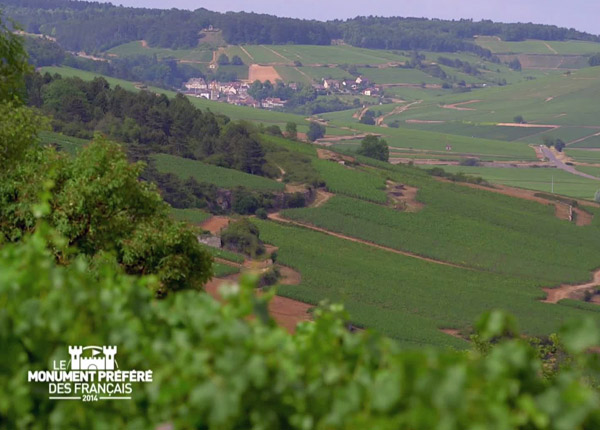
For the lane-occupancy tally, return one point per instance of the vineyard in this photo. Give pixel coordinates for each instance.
(351, 182)
(470, 227)
(221, 177)
(403, 297)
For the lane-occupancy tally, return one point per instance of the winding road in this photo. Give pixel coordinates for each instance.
(560, 165)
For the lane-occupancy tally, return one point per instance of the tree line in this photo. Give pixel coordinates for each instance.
(93, 27)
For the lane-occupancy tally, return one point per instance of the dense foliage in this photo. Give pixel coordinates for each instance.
(93, 27)
(147, 122)
(231, 371)
(374, 147)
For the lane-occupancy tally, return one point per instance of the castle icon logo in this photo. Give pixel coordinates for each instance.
(92, 374)
(102, 358)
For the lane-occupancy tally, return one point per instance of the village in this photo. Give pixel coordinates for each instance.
(237, 92)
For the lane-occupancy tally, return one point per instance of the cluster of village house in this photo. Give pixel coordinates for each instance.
(236, 93)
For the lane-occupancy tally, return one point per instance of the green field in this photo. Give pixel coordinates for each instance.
(539, 179)
(571, 47)
(431, 141)
(594, 171)
(554, 100)
(203, 55)
(219, 176)
(222, 270)
(402, 297)
(351, 182)
(194, 216)
(589, 142)
(472, 228)
(478, 130)
(584, 156)
(65, 143)
(308, 54)
(397, 75)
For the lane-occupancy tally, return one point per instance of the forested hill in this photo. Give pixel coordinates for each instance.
(93, 26)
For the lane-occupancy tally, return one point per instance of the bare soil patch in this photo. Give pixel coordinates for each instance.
(571, 291)
(286, 312)
(452, 332)
(216, 224)
(459, 106)
(404, 197)
(289, 276)
(263, 73)
(326, 154)
(295, 188)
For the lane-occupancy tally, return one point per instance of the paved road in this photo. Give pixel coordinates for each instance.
(559, 164)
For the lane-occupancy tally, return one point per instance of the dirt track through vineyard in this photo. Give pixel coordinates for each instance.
(278, 217)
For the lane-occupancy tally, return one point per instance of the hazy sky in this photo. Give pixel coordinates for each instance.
(581, 14)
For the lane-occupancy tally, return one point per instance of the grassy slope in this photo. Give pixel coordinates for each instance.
(539, 46)
(135, 48)
(403, 297)
(219, 176)
(557, 99)
(535, 179)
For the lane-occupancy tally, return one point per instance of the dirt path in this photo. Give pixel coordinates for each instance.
(326, 154)
(278, 217)
(397, 111)
(322, 198)
(550, 48)
(246, 52)
(458, 106)
(571, 291)
(361, 113)
(215, 224)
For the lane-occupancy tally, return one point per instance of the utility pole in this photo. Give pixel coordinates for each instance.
(552, 184)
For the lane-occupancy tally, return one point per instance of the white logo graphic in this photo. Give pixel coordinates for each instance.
(92, 374)
(92, 363)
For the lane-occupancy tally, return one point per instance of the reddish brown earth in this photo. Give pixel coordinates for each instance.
(215, 224)
(452, 332)
(287, 312)
(571, 291)
(263, 73)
